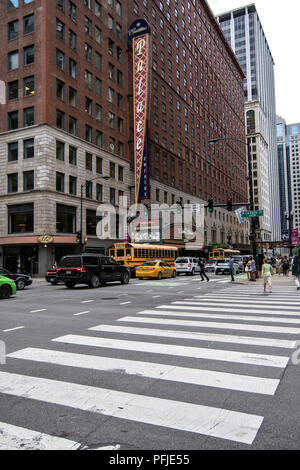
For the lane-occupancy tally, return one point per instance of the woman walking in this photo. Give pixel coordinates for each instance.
(267, 275)
(286, 266)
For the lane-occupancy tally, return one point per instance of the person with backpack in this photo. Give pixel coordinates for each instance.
(201, 264)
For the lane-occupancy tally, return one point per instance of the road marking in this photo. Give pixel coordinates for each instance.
(86, 301)
(40, 310)
(205, 420)
(242, 301)
(16, 438)
(81, 313)
(173, 350)
(155, 296)
(125, 303)
(194, 335)
(225, 326)
(207, 378)
(14, 329)
(187, 306)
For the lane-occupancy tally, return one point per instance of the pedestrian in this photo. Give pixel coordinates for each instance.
(203, 274)
(253, 269)
(296, 271)
(278, 265)
(54, 265)
(286, 266)
(267, 272)
(231, 268)
(248, 269)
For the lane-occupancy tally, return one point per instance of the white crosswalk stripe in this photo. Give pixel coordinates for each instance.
(191, 319)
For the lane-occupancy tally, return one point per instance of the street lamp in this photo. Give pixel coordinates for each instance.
(251, 200)
(82, 186)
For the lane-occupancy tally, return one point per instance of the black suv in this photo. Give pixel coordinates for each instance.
(91, 269)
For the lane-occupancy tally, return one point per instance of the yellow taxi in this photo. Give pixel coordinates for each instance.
(155, 269)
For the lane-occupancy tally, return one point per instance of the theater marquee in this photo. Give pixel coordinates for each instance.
(139, 35)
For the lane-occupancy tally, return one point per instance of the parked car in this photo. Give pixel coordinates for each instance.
(223, 267)
(186, 265)
(91, 269)
(21, 280)
(7, 287)
(155, 269)
(240, 261)
(210, 266)
(51, 276)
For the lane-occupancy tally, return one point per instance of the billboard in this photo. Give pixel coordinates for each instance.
(139, 35)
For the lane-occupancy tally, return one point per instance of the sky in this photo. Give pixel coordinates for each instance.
(281, 24)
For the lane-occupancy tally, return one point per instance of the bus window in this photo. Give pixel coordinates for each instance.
(112, 253)
(135, 253)
(128, 252)
(120, 253)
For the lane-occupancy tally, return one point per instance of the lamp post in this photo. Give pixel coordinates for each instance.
(82, 186)
(251, 200)
(289, 216)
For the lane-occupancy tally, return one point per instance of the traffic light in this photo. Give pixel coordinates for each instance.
(210, 205)
(229, 204)
(78, 238)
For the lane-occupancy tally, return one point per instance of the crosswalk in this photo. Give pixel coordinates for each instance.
(240, 341)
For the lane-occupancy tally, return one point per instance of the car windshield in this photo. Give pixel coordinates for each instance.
(70, 262)
(150, 263)
(182, 260)
(223, 261)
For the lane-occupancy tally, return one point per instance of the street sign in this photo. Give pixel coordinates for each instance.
(250, 214)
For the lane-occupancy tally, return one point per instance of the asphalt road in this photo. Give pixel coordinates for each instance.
(160, 365)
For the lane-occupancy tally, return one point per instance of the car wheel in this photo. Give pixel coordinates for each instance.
(193, 272)
(5, 292)
(54, 283)
(70, 284)
(94, 282)
(125, 278)
(159, 276)
(20, 284)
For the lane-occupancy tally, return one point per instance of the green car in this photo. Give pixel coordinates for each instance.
(7, 287)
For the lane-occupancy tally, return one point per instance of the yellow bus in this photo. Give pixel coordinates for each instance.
(135, 254)
(220, 253)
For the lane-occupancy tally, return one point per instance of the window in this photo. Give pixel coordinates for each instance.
(11, 4)
(28, 24)
(89, 161)
(112, 120)
(28, 117)
(98, 113)
(98, 10)
(60, 182)
(99, 165)
(111, 95)
(72, 40)
(65, 219)
(60, 59)
(88, 133)
(88, 26)
(72, 155)
(98, 35)
(99, 138)
(98, 60)
(28, 55)
(99, 192)
(72, 125)
(12, 183)
(60, 119)
(13, 30)
(121, 173)
(60, 89)
(99, 86)
(20, 218)
(72, 97)
(89, 190)
(13, 60)
(72, 185)
(112, 145)
(88, 79)
(112, 170)
(88, 106)
(73, 12)
(60, 151)
(88, 52)
(28, 86)
(28, 148)
(60, 4)
(112, 196)
(13, 90)
(72, 68)
(12, 151)
(91, 224)
(28, 180)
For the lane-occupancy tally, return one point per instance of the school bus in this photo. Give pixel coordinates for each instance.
(135, 254)
(220, 253)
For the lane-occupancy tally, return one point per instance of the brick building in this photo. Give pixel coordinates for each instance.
(66, 118)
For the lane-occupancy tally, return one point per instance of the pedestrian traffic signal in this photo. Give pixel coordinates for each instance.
(210, 205)
(229, 204)
(78, 237)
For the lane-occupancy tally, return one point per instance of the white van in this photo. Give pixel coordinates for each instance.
(186, 265)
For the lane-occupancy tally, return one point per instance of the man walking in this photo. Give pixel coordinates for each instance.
(231, 267)
(253, 269)
(296, 271)
(201, 264)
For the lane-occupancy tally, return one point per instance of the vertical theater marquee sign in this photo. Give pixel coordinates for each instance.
(139, 35)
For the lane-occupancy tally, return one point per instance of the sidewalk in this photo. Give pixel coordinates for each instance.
(281, 280)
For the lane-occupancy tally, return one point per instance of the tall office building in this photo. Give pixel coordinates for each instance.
(243, 30)
(66, 120)
(288, 147)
